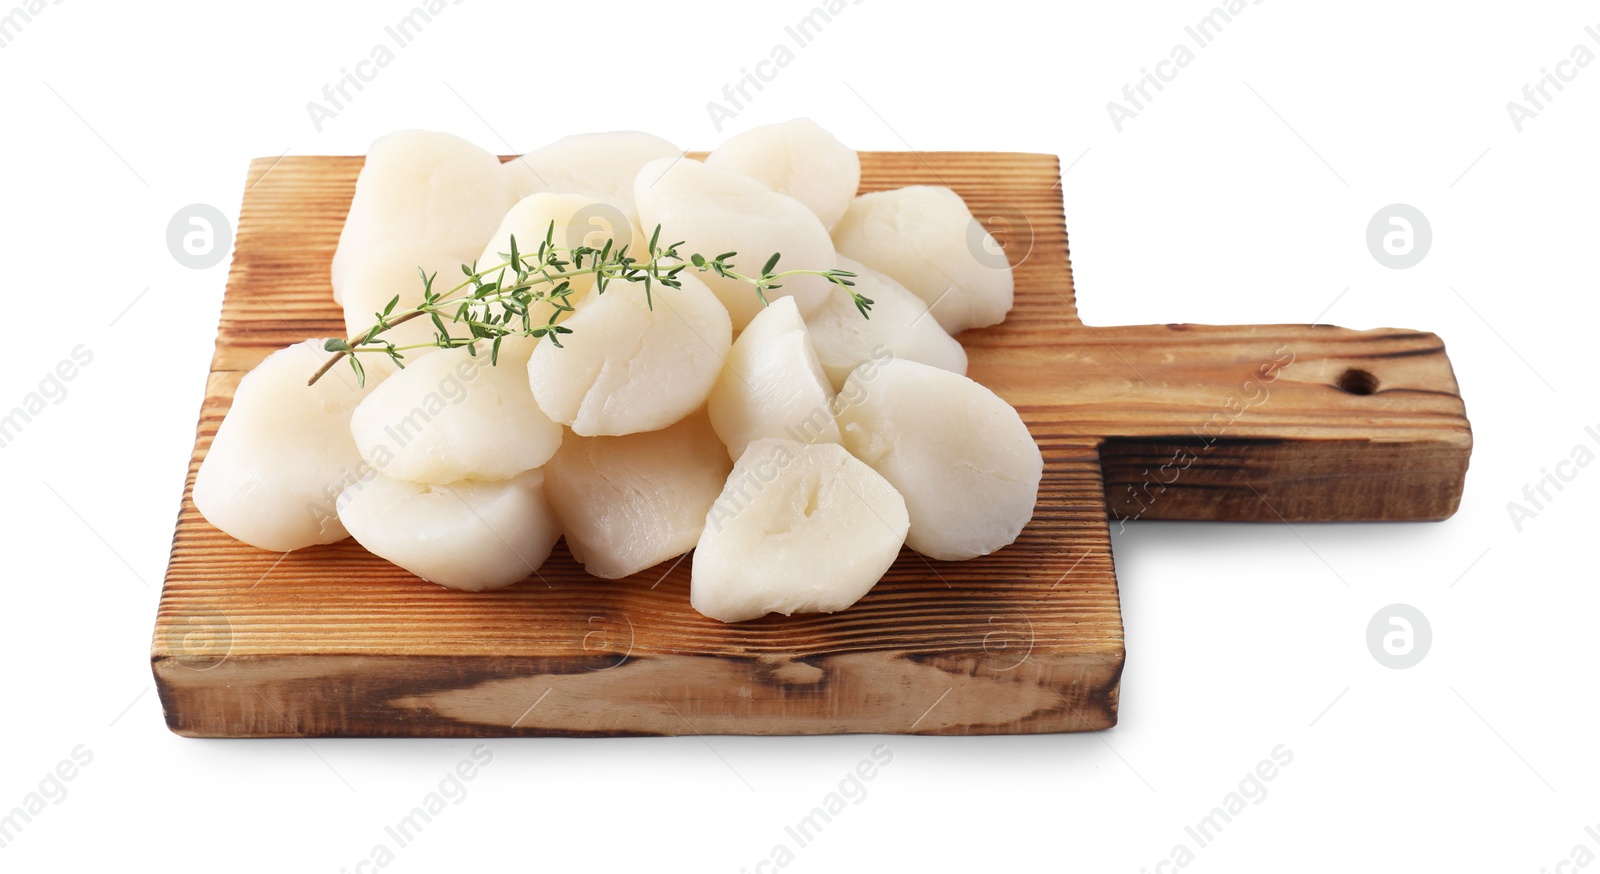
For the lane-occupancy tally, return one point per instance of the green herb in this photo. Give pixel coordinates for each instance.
(497, 302)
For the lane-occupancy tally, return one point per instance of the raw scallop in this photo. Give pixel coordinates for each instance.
(284, 452)
(629, 366)
(579, 220)
(961, 456)
(799, 528)
(773, 385)
(900, 327)
(630, 503)
(797, 158)
(473, 536)
(454, 415)
(927, 240)
(425, 189)
(390, 270)
(600, 165)
(713, 211)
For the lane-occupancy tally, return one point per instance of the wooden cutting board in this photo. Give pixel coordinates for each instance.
(1251, 423)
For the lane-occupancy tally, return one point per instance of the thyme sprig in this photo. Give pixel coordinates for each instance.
(504, 300)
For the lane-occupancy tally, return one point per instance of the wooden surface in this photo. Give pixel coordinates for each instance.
(1168, 422)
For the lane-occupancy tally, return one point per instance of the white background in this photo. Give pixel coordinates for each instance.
(1241, 194)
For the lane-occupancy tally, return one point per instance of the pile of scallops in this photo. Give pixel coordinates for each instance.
(795, 446)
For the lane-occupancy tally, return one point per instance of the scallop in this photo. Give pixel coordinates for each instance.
(797, 158)
(633, 363)
(773, 385)
(927, 240)
(714, 211)
(898, 326)
(569, 220)
(392, 270)
(424, 189)
(961, 456)
(630, 503)
(457, 414)
(284, 452)
(573, 219)
(473, 536)
(798, 528)
(600, 165)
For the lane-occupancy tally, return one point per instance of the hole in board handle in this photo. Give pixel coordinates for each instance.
(1357, 382)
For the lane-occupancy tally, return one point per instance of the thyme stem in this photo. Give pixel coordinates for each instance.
(490, 310)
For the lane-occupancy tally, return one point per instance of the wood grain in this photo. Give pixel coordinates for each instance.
(1170, 422)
